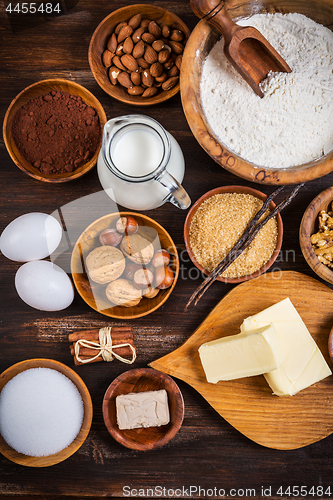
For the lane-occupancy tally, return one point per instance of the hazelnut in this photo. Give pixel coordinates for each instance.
(161, 258)
(163, 277)
(127, 225)
(130, 269)
(150, 293)
(110, 237)
(143, 278)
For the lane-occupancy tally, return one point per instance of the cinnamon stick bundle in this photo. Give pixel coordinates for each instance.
(119, 335)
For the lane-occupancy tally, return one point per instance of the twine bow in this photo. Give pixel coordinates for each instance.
(104, 347)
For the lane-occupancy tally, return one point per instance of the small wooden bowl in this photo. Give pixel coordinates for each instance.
(141, 380)
(330, 344)
(96, 298)
(202, 39)
(99, 41)
(31, 92)
(309, 226)
(232, 189)
(30, 461)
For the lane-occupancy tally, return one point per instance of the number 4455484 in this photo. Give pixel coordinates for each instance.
(303, 491)
(32, 8)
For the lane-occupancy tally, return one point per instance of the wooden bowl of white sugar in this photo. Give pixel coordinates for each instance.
(286, 137)
(45, 412)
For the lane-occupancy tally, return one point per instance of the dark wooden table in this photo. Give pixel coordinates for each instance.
(207, 453)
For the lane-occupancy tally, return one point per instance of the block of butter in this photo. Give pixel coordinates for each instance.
(142, 409)
(238, 356)
(304, 364)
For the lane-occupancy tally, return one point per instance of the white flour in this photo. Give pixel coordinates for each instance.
(293, 123)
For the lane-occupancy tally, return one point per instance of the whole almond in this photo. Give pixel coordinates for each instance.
(156, 69)
(163, 56)
(135, 21)
(119, 26)
(174, 71)
(162, 78)
(113, 74)
(148, 38)
(128, 45)
(168, 65)
(176, 35)
(107, 57)
(150, 55)
(124, 80)
(136, 37)
(154, 29)
(166, 31)
(177, 47)
(178, 61)
(170, 83)
(136, 78)
(150, 92)
(112, 43)
(129, 62)
(120, 50)
(117, 62)
(145, 23)
(138, 49)
(124, 33)
(136, 90)
(158, 45)
(146, 78)
(142, 63)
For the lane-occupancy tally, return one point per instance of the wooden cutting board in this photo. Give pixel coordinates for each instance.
(283, 423)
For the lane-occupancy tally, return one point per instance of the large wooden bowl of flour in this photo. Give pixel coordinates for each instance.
(295, 120)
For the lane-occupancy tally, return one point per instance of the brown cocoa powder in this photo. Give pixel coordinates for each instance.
(56, 132)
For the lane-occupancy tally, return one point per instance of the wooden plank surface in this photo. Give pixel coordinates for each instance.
(207, 452)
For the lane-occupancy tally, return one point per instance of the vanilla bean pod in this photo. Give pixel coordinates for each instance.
(245, 240)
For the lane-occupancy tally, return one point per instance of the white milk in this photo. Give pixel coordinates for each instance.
(136, 153)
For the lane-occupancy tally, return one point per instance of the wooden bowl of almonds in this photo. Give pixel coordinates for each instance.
(316, 235)
(135, 54)
(125, 265)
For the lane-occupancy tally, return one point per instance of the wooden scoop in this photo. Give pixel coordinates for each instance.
(244, 47)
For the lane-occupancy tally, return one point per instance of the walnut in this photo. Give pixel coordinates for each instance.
(137, 249)
(122, 292)
(105, 264)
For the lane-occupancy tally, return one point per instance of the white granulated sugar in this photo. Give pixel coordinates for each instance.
(293, 123)
(41, 412)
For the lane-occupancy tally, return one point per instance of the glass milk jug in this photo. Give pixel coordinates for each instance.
(140, 165)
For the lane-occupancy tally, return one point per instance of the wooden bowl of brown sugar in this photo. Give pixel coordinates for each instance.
(53, 130)
(106, 60)
(218, 219)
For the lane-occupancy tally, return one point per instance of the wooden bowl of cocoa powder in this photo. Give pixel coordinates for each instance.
(53, 130)
(103, 64)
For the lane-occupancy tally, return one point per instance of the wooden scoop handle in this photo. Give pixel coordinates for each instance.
(215, 13)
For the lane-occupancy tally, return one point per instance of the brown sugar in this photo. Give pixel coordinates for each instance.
(218, 224)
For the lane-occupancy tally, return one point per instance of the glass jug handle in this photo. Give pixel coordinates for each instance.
(178, 196)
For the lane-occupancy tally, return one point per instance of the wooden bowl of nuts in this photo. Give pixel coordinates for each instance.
(216, 115)
(40, 138)
(316, 235)
(135, 54)
(125, 265)
(218, 219)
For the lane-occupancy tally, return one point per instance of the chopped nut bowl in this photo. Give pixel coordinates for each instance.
(316, 235)
(125, 265)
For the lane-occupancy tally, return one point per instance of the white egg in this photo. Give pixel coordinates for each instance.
(44, 285)
(31, 236)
